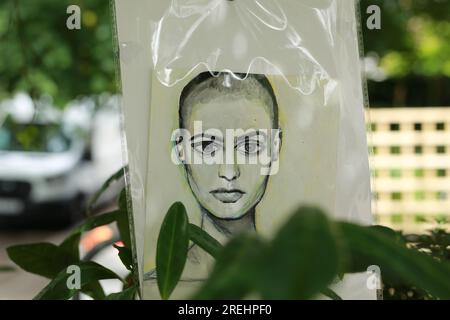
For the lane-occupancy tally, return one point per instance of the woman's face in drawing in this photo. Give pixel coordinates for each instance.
(229, 190)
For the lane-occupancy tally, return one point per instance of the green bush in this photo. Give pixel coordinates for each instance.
(303, 259)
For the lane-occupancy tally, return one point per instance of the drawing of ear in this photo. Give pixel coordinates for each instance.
(276, 144)
(179, 145)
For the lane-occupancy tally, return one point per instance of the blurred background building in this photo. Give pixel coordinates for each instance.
(410, 164)
(407, 66)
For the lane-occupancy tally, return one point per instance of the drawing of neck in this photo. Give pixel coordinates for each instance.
(227, 228)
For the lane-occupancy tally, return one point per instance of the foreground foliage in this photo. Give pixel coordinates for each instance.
(305, 257)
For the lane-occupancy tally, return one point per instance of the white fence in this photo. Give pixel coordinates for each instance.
(410, 162)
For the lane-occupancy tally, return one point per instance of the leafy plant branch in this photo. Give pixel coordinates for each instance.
(306, 255)
(304, 258)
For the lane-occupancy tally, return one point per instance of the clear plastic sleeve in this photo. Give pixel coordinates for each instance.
(199, 66)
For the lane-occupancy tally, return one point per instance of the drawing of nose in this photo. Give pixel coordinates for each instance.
(229, 172)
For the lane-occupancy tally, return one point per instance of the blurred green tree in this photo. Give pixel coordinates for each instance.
(413, 47)
(40, 55)
(414, 38)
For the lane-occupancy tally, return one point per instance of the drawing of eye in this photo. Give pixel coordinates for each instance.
(206, 146)
(249, 146)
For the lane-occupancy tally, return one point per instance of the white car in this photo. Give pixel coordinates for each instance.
(47, 171)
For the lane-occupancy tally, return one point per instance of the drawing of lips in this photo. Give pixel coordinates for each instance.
(227, 195)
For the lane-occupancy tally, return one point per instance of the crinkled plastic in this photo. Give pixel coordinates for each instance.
(285, 66)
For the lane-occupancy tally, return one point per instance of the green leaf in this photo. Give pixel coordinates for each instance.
(388, 232)
(116, 176)
(6, 269)
(237, 270)
(96, 221)
(58, 288)
(127, 294)
(44, 259)
(172, 248)
(48, 260)
(125, 256)
(122, 218)
(397, 263)
(94, 290)
(204, 240)
(130, 280)
(330, 294)
(71, 246)
(302, 259)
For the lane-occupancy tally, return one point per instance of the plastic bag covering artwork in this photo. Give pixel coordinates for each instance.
(242, 110)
